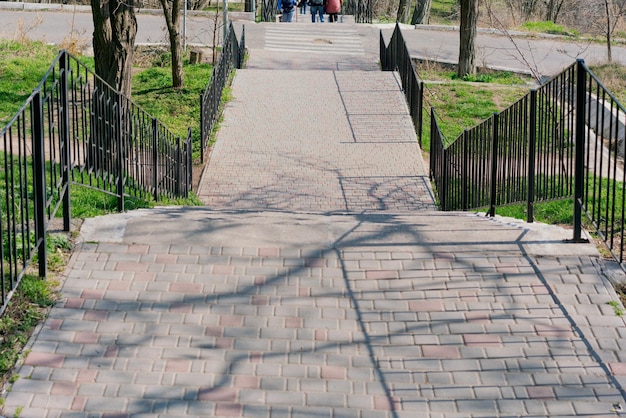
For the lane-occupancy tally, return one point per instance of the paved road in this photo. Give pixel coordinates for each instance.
(57, 26)
(319, 281)
(542, 56)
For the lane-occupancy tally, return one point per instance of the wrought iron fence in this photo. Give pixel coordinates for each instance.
(76, 131)
(269, 10)
(396, 57)
(231, 57)
(564, 139)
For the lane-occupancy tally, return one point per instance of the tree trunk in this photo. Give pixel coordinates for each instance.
(553, 8)
(115, 28)
(528, 9)
(607, 34)
(402, 15)
(421, 13)
(467, 50)
(200, 4)
(172, 20)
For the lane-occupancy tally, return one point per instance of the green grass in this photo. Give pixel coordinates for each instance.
(232, 7)
(444, 12)
(461, 105)
(432, 71)
(177, 109)
(548, 27)
(555, 212)
(22, 65)
(618, 309)
(88, 203)
(26, 309)
(613, 77)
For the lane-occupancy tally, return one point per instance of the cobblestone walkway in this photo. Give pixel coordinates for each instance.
(317, 141)
(320, 281)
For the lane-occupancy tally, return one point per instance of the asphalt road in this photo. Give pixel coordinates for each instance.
(544, 55)
(539, 56)
(56, 26)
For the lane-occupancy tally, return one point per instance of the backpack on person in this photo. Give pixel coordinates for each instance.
(287, 5)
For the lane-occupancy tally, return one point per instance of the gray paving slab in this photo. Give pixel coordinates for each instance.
(319, 280)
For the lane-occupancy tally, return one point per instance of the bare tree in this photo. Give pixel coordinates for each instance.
(421, 12)
(529, 61)
(467, 47)
(553, 9)
(217, 27)
(115, 28)
(403, 11)
(199, 4)
(613, 12)
(171, 11)
(528, 8)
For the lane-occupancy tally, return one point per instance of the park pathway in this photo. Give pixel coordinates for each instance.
(319, 280)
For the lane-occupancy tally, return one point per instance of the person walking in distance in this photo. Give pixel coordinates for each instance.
(288, 8)
(317, 7)
(302, 6)
(333, 7)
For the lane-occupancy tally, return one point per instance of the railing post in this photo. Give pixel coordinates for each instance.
(579, 170)
(189, 171)
(494, 166)
(119, 163)
(532, 144)
(464, 174)
(420, 111)
(433, 150)
(39, 173)
(202, 127)
(242, 47)
(155, 158)
(179, 166)
(382, 51)
(445, 165)
(65, 143)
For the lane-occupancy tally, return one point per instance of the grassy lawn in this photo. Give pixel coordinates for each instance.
(22, 66)
(613, 76)
(445, 12)
(178, 109)
(550, 28)
(461, 104)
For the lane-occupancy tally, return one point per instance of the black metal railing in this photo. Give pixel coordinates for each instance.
(396, 57)
(564, 139)
(269, 10)
(76, 131)
(231, 57)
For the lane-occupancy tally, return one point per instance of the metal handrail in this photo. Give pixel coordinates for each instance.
(563, 140)
(396, 57)
(75, 130)
(231, 57)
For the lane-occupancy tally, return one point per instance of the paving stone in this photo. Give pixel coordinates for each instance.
(366, 310)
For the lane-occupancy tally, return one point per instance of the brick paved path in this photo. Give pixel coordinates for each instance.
(319, 282)
(317, 141)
